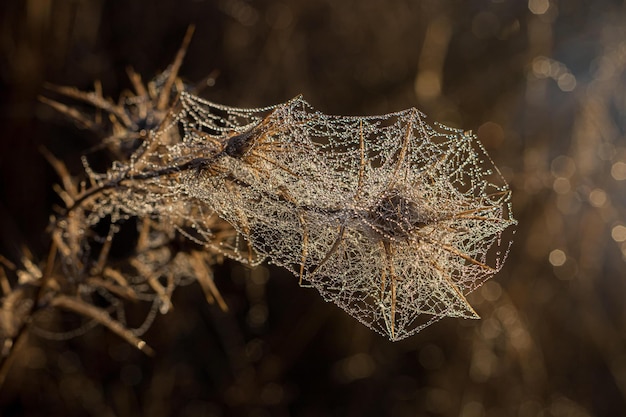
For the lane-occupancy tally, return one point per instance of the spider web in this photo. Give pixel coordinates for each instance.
(391, 218)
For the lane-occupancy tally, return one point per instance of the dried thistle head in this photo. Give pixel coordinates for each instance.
(127, 122)
(80, 267)
(391, 218)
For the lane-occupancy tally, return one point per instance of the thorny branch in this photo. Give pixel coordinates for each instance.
(386, 216)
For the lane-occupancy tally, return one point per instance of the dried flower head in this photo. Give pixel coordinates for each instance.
(392, 219)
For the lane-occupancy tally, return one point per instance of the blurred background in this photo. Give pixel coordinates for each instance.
(542, 82)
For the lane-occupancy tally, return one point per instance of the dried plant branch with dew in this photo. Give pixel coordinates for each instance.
(79, 274)
(393, 219)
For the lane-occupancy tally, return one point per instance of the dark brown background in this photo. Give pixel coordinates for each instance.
(552, 338)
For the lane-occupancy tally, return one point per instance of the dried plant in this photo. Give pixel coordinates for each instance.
(391, 218)
(78, 275)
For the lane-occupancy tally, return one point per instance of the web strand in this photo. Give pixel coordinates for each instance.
(391, 218)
